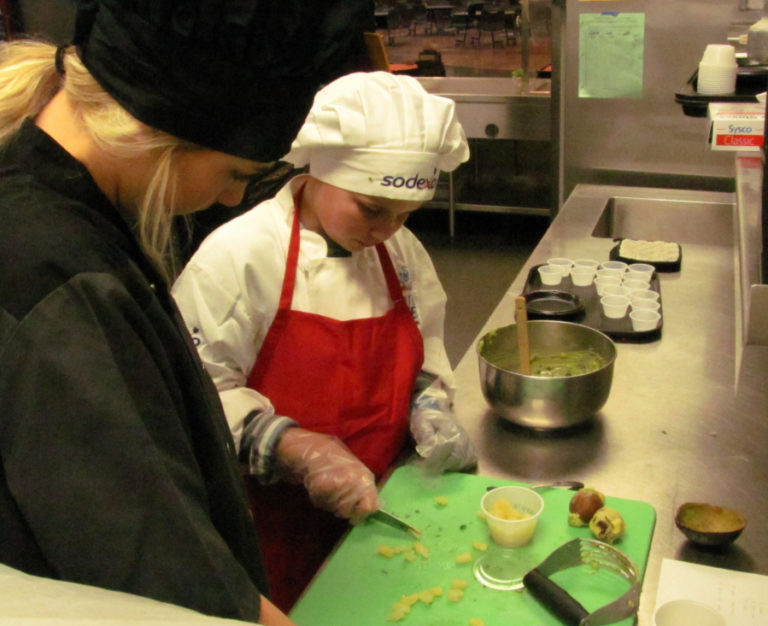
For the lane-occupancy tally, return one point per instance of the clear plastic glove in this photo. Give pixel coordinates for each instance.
(440, 441)
(335, 479)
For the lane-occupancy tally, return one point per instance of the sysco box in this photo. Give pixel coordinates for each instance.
(736, 125)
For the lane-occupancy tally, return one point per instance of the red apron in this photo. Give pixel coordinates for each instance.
(352, 379)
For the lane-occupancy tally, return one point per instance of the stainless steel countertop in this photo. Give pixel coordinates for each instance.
(683, 421)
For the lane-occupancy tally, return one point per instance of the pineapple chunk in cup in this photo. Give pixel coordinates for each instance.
(512, 514)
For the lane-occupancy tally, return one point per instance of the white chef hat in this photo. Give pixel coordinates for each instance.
(380, 134)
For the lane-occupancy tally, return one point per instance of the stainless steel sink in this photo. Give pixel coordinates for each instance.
(682, 221)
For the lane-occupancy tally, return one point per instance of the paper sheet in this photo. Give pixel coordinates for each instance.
(611, 48)
(741, 597)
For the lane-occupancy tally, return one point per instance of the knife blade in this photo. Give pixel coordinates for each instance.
(395, 522)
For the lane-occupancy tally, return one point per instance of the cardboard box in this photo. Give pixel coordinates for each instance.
(736, 125)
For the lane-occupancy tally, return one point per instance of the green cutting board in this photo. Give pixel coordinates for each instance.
(358, 586)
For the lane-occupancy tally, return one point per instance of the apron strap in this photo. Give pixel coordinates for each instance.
(289, 278)
(393, 283)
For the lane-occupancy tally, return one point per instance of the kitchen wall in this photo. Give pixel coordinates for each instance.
(645, 141)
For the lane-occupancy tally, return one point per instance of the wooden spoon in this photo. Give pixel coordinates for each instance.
(521, 318)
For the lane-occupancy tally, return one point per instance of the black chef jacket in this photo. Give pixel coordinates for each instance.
(117, 466)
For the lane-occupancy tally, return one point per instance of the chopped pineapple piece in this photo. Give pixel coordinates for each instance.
(480, 545)
(386, 551)
(409, 555)
(395, 615)
(426, 596)
(466, 557)
(421, 549)
(458, 583)
(441, 500)
(437, 591)
(476, 621)
(455, 595)
(504, 510)
(481, 514)
(402, 607)
(410, 599)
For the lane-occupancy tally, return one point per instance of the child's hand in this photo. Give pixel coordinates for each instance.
(336, 479)
(440, 440)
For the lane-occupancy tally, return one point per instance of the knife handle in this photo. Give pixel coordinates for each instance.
(554, 597)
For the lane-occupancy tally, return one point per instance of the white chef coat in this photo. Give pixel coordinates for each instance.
(229, 293)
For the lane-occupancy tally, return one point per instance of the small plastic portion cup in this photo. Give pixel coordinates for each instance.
(644, 319)
(614, 307)
(606, 272)
(641, 270)
(687, 613)
(550, 275)
(512, 533)
(616, 290)
(719, 54)
(636, 284)
(601, 282)
(614, 265)
(590, 263)
(582, 276)
(563, 263)
(638, 304)
(645, 294)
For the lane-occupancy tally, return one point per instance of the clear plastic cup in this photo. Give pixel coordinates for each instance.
(644, 319)
(718, 70)
(582, 276)
(614, 273)
(685, 612)
(590, 263)
(512, 533)
(645, 294)
(614, 265)
(636, 284)
(550, 275)
(563, 263)
(616, 290)
(614, 307)
(646, 305)
(601, 282)
(641, 270)
(719, 54)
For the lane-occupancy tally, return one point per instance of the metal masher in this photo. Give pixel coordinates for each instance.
(596, 554)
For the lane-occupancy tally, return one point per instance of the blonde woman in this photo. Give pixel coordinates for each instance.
(116, 462)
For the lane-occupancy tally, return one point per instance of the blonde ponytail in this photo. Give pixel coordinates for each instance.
(28, 80)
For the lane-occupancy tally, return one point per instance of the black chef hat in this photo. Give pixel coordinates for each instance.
(237, 76)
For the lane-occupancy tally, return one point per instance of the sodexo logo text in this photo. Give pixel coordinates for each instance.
(412, 182)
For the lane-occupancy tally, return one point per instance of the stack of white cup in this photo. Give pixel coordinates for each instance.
(717, 70)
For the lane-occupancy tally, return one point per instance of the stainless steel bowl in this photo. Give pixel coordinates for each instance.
(545, 402)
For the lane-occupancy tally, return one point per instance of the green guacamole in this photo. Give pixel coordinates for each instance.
(566, 363)
(571, 363)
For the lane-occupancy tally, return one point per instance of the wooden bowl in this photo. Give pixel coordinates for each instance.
(709, 525)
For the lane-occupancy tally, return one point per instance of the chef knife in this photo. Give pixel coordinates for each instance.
(395, 522)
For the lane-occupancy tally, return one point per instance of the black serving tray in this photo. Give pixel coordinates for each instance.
(750, 81)
(661, 266)
(592, 313)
